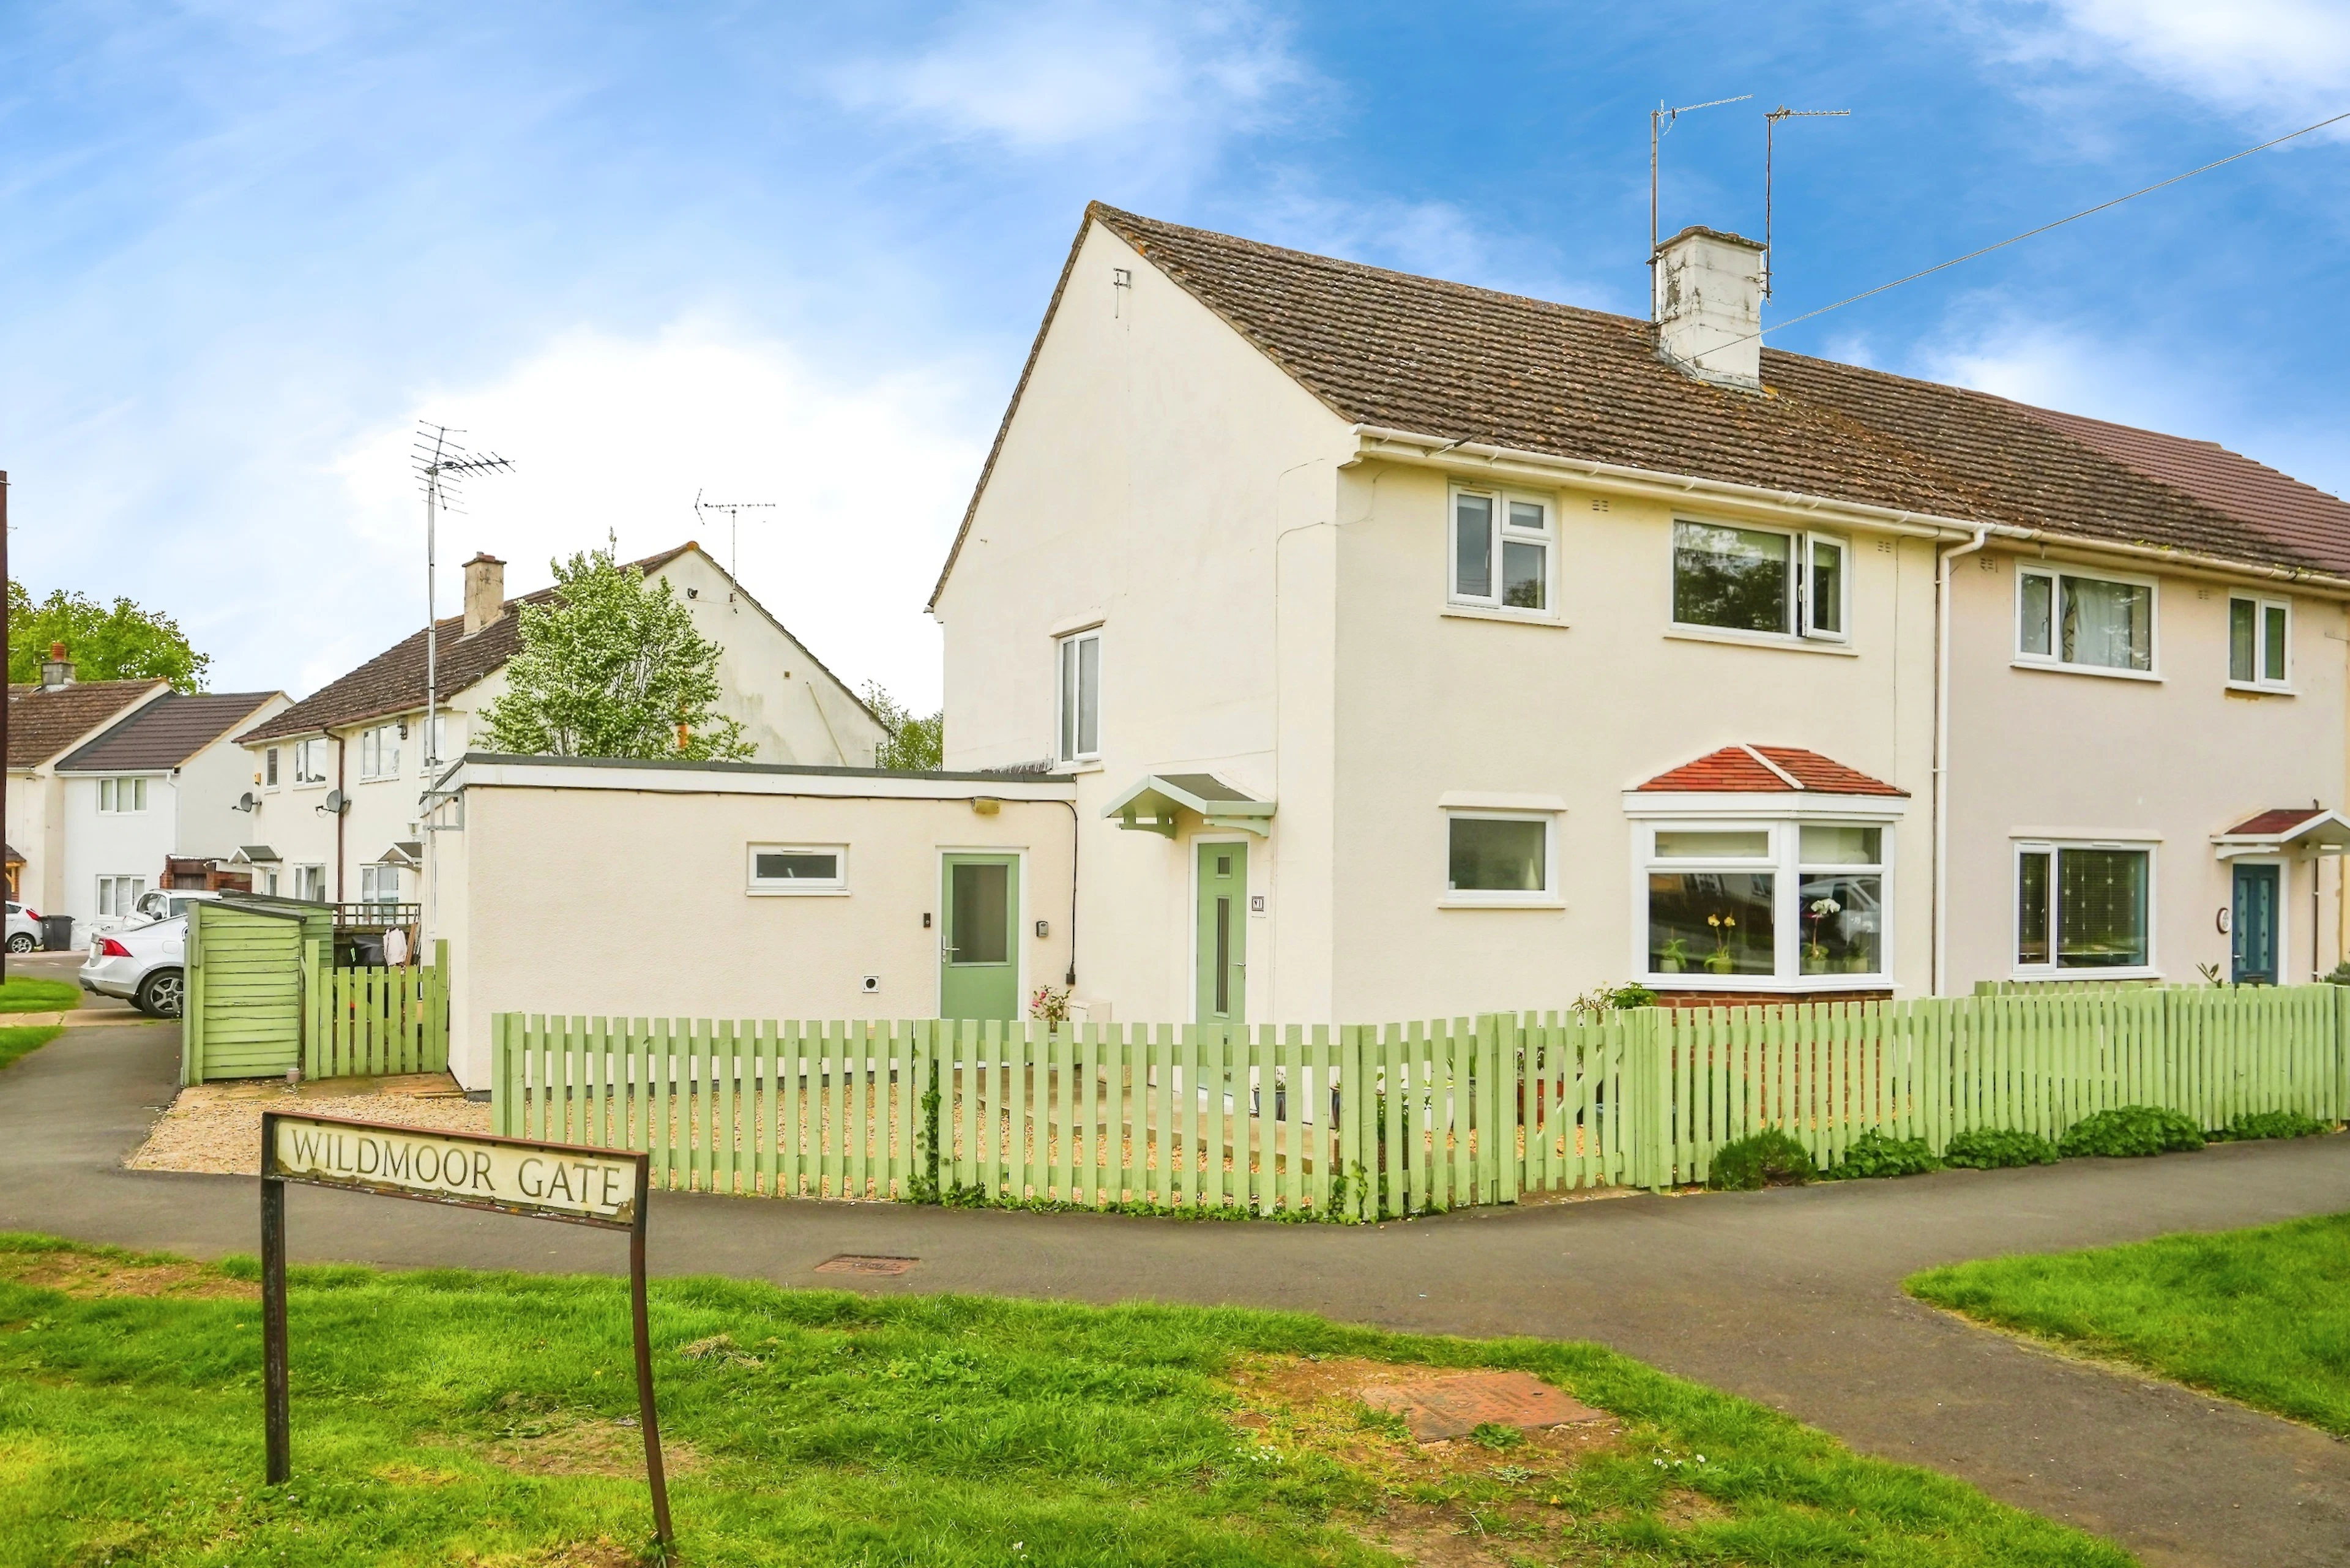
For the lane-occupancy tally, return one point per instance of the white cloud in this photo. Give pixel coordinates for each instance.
(613, 434)
(2056, 366)
(1161, 78)
(2269, 62)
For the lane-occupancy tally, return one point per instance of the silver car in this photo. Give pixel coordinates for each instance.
(145, 966)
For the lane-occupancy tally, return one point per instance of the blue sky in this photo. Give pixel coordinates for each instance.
(796, 253)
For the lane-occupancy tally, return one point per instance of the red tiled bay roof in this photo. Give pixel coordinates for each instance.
(1744, 769)
(2273, 823)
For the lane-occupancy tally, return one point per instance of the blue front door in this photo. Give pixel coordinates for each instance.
(2254, 924)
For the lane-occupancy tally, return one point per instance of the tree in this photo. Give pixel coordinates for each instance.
(125, 643)
(916, 744)
(612, 667)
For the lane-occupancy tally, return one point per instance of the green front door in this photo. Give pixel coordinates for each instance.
(1223, 938)
(978, 957)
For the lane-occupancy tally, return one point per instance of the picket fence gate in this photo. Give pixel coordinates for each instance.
(1368, 1122)
(373, 1019)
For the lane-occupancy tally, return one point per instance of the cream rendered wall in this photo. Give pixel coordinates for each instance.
(1429, 703)
(208, 787)
(2091, 756)
(36, 830)
(683, 937)
(1164, 480)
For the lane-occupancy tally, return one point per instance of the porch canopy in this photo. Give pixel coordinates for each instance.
(2311, 830)
(1151, 805)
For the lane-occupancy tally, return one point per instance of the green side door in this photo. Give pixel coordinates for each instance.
(979, 957)
(1223, 937)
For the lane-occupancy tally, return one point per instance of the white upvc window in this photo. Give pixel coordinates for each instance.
(1079, 656)
(799, 868)
(1759, 904)
(379, 883)
(2067, 620)
(2085, 909)
(1772, 582)
(310, 883)
(2260, 643)
(121, 797)
(269, 768)
(379, 752)
(119, 897)
(444, 728)
(1500, 858)
(1504, 546)
(310, 762)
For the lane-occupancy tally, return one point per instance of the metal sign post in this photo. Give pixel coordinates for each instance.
(594, 1187)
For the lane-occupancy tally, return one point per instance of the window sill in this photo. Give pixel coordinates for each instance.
(2051, 667)
(2254, 688)
(1679, 633)
(2084, 976)
(796, 892)
(1809, 982)
(1520, 617)
(1071, 770)
(1459, 903)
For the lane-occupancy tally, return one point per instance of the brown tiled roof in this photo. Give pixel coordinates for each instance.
(1467, 364)
(165, 733)
(1758, 769)
(394, 680)
(43, 722)
(2274, 823)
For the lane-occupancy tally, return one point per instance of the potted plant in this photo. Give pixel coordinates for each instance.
(1815, 951)
(1673, 956)
(1721, 960)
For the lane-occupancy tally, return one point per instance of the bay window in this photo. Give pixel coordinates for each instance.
(1502, 549)
(2089, 623)
(1783, 904)
(1765, 580)
(2084, 907)
(2259, 639)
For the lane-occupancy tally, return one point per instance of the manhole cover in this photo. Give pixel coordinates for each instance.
(852, 1264)
(1454, 1407)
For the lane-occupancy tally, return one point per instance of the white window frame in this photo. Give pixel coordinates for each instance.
(372, 880)
(1500, 531)
(1067, 741)
(111, 792)
(269, 769)
(305, 758)
(2053, 848)
(1801, 548)
(310, 883)
(112, 890)
(1547, 897)
(2054, 572)
(377, 742)
(1786, 867)
(833, 887)
(2260, 680)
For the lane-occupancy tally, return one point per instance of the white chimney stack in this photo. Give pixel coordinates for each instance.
(1708, 306)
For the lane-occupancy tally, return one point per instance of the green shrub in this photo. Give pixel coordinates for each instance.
(1873, 1154)
(2338, 975)
(1995, 1149)
(2273, 1124)
(2130, 1130)
(1768, 1159)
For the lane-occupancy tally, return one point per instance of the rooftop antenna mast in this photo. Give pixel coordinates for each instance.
(443, 465)
(1770, 128)
(733, 509)
(1660, 122)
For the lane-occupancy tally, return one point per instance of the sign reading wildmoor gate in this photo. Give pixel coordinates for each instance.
(553, 1183)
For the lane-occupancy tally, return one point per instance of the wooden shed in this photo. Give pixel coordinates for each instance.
(246, 986)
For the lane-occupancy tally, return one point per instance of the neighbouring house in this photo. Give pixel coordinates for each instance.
(338, 776)
(46, 720)
(1415, 649)
(159, 795)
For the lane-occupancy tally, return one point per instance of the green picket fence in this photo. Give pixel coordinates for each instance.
(374, 1020)
(1364, 1122)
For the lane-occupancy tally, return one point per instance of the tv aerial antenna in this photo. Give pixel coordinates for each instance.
(1661, 125)
(734, 509)
(1771, 119)
(443, 465)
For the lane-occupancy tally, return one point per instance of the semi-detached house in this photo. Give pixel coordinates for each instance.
(46, 720)
(1416, 648)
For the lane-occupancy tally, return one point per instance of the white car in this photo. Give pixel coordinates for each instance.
(145, 965)
(24, 927)
(165, 905)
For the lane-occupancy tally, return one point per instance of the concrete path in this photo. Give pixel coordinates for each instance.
(1791, 1298)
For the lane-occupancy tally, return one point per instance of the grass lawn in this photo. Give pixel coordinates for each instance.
(24, 1042)
(2261, 1315)
(18, 994)
(449, 1416)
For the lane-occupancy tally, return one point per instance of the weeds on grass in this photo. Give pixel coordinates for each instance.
(2273, 1124)
(2127, 1131)
(1873, 1154)
(1767, 1158)
(1995, 1149)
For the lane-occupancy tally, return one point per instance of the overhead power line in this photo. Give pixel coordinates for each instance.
(2083, 213)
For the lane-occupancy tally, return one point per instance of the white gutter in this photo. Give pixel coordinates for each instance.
(1942, 559)
(1479, 457)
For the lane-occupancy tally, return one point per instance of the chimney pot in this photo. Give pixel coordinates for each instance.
(58, 671)
(485, 591)
(1708, 306)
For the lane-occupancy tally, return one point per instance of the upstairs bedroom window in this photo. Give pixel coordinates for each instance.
(1080, 696)
(379, 752)
(122, 796)
(2064, 620)
(1767, 581)
(309, 761)
(2260, 643)
(1502, 551)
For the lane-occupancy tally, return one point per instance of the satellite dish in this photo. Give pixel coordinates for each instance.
(246, 801)
(337, 802)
